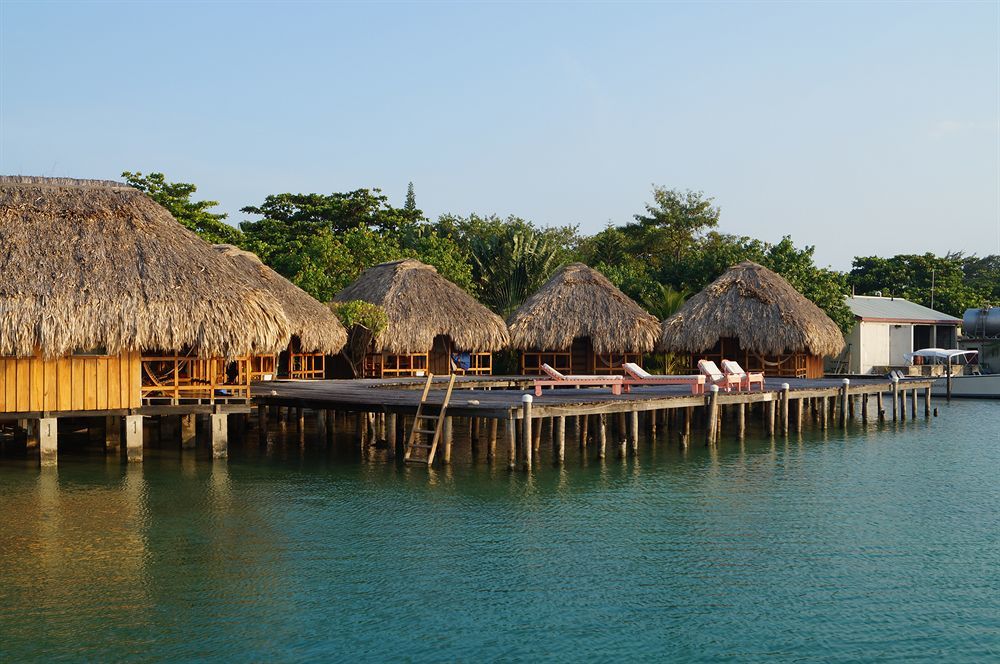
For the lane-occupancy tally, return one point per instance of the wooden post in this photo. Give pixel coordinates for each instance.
(584, 426)
(491, 446)
(113, 433)
(220, 435)
(686, 434)
(785, 395)
(189, 431)
(844, 396)
(879, 405)
(634, 434)
(895, 399)
(536, 441)
(711, 414)
(526, 428)
(741, 420)
(261, 419)
(48, 440)
(390, 434)
(447, 432)
(851, 398)
(331, 425)
(864, 406)
(622, 435)
(927, 401)
(474, 434)
(822, 413)
(602, 435)
(321, 424)
(510, 434)
(799, 414)
(949, 378)
(133, 438)
(902, 405)
(769, 421)
(559, 447)
(913, 411)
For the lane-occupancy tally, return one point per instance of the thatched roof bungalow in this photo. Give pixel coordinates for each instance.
(754, 316)
(96, 275)
(580, 323)
(433, 325)
(316, 331)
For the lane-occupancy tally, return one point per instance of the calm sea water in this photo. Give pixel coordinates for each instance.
(881, 543)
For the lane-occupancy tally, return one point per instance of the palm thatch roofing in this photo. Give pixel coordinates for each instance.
(753, 304)
(579, 301)
(91, 264)
(420, 304)
(318, 329)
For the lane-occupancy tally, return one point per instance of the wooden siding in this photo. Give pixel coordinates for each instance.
(78, 382)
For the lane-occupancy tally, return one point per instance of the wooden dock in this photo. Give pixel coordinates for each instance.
(382, 408)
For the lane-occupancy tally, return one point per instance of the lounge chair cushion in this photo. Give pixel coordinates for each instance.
(710, 369)
(552, 373)
(636, 370)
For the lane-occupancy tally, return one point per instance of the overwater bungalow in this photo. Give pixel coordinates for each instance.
(111, 307)
(433, 325)
(316, 331)
(580, 323)
(753, 316)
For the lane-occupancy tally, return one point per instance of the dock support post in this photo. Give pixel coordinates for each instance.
(927, 401)
(712, 414)
(902, 405)
(536, 441)
(879, 405)
(474, 434)
(300, 419)
(189, 431)
(844, 396)
(949, 378)
(634, 433)
(559, 448)
(220, 435)
(321, 424)
(602, 435)
(822, 413)
(448, 433)
(686, 434)
(622, 435)
(771, 404)
(491, 445)
(113, 433)
(913, 410)
(584, 426)
(864, 407)
(895, 398)
(331, 425)
(48, 440)
(526, 428)
(510, 434)
(390, 435)
(741, 420)
(133, 438)
(785, 394)
(261, 418)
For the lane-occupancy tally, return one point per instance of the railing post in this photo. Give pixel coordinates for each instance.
(843, 403)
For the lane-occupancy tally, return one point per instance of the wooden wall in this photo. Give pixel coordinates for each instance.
(77, 382)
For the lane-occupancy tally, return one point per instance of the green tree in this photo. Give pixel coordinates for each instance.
(672, 223)
(193, 215)
(364, 321)
(340, 212)
(411, 199)
(951, 283)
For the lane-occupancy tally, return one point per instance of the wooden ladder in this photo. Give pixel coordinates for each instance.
(423, 452)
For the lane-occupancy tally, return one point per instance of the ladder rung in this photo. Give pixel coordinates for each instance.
(416, 446)
(426, 430)
(426, 417)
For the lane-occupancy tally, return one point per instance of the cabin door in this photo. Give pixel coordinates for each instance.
(581, 356)
(440, 356)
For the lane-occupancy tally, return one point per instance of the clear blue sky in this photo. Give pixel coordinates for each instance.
(860, 128)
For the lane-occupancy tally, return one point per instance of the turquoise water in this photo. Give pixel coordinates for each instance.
(881, 543)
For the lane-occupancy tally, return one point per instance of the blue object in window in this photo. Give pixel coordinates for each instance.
(461, 360)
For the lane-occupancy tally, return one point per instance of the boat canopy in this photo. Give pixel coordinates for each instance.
(939, 354)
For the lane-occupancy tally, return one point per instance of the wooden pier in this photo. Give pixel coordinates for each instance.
(383, 410)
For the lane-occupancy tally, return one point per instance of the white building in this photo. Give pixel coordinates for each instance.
(888, 327)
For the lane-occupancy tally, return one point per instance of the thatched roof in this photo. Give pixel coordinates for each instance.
(90, 264)
(579, 301)
(318, 329)
(756, 306)
(421, 304)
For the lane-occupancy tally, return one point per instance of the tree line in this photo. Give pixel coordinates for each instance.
(669, 250)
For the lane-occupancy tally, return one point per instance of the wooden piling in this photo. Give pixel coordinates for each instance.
(390, 435)
(491, 445)
(927, 401)
(864, 407)
(189, 432)
(711, 414)
(48, 440)
(785, 395)
(526, 429)
(602, 435)
(510, 435)
(741, 420)
(634, 433)
(895, 400)
(559, 451)
(584, 426)
(448, 433)
(913, 404)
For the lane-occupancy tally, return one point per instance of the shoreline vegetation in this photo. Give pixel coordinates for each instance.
(671, 249)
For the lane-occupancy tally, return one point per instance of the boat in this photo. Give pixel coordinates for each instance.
(972, 385)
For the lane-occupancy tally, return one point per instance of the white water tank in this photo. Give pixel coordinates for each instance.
(979, 323)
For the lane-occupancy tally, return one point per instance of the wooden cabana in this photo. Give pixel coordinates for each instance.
(316, 331)
(109, 305)
(752, 315)
(433, 325)
(580, 323)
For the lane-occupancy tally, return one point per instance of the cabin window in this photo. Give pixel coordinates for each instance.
(99, 351)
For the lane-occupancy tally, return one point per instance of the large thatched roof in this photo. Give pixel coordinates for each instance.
(318, 329)
(89, 264)
(579, 301)
(421, 304)
(756, 306)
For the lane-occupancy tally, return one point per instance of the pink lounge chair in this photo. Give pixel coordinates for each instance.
(733, 368)
(639, 376)
(715, 377)
(557, 378)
